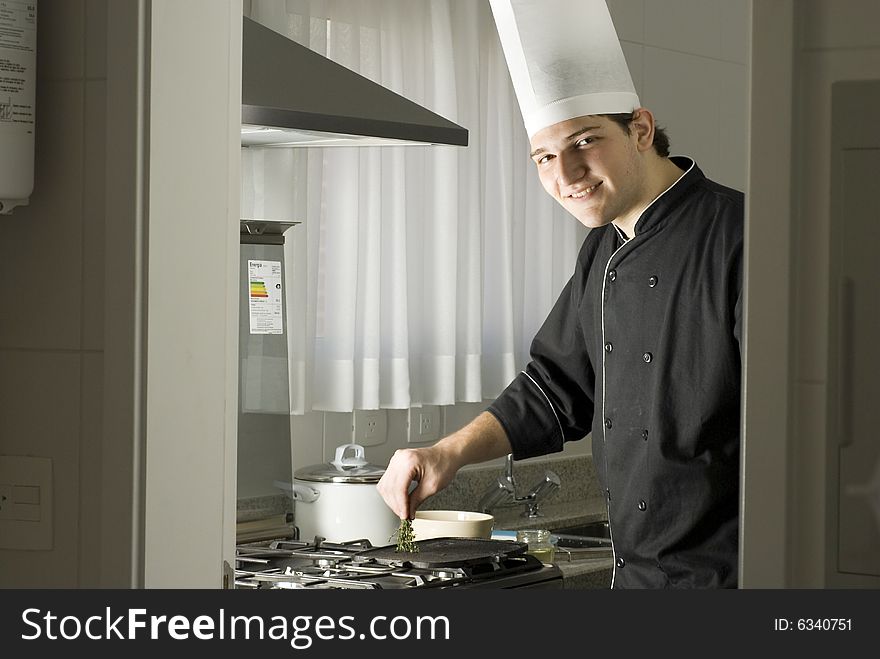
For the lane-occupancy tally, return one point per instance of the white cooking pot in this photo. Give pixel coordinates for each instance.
(339, 500)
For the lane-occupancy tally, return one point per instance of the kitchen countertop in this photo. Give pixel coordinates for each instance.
(586, 573)
(552, 515)
(578, 572)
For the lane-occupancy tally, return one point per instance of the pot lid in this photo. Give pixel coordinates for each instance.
(348, 466)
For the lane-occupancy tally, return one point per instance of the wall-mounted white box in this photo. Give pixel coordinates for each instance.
(424, 424)
(25, 502)
(365, 427)
(369, 427)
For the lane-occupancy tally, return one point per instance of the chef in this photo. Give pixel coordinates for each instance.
(643, 346)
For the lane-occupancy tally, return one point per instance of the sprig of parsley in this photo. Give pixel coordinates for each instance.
(405, 537)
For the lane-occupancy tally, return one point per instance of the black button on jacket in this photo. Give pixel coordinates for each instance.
(664, 405)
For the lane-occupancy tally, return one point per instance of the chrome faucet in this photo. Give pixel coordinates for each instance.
(503, 492)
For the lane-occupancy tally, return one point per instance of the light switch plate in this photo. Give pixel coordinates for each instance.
(25, 502)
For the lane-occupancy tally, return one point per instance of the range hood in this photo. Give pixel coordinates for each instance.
(292, 96)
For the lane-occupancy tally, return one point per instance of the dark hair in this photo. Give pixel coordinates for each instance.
(661, 139)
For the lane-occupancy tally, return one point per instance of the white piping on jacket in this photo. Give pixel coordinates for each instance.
(604, 281)
(553, 409)
(605, 450)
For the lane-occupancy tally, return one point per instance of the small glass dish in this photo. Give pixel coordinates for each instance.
(539, 542)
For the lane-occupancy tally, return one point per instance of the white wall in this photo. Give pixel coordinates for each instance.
(52, 284)
(767, 276)
(125, 383)
(191, 288)
(834, 41)
(688, 62)
(805, 46)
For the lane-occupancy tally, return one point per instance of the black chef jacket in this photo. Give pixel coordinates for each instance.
(643, 349)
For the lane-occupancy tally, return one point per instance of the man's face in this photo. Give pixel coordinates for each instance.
(592, 167)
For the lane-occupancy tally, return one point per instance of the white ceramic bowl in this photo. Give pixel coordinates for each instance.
(429, 524)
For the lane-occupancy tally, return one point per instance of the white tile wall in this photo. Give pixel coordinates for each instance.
(687, 59)
(398, 431)
(307, 439)
(41, 417)
(842, 24)
(94, 188)
(41, 250)
(732, 125)
(808, 467)
(91, 469)
(337, 431)
(634, 53)
(628, 17)
(96, 42)
(40, 402)
(686, 26)
(458, 416)
(60, 39)
(735, 17)
(51, 281)
(683, 91)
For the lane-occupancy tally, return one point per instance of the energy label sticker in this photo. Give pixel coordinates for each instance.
(264, 297)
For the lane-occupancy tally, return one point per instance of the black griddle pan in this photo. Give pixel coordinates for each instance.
(445, 552)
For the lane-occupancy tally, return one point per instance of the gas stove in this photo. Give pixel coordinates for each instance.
(438, 563)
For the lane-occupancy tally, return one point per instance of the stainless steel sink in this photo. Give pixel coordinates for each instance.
(592, 535)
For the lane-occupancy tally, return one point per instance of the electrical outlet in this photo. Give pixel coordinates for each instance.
(369, 427)
(424, 424)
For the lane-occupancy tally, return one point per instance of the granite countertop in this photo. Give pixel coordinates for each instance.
(577, 572)
(552, 515)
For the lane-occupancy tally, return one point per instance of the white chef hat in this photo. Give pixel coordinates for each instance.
(564, 59)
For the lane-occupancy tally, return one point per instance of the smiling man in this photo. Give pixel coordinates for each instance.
(603, 169)
(642, 348)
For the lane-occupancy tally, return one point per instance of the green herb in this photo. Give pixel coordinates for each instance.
(405, 537)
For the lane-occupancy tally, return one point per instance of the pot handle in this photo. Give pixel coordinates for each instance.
(358, 460)
(300, 492)
(305, 493)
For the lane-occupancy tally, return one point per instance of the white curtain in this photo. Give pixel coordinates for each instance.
(419, 274)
